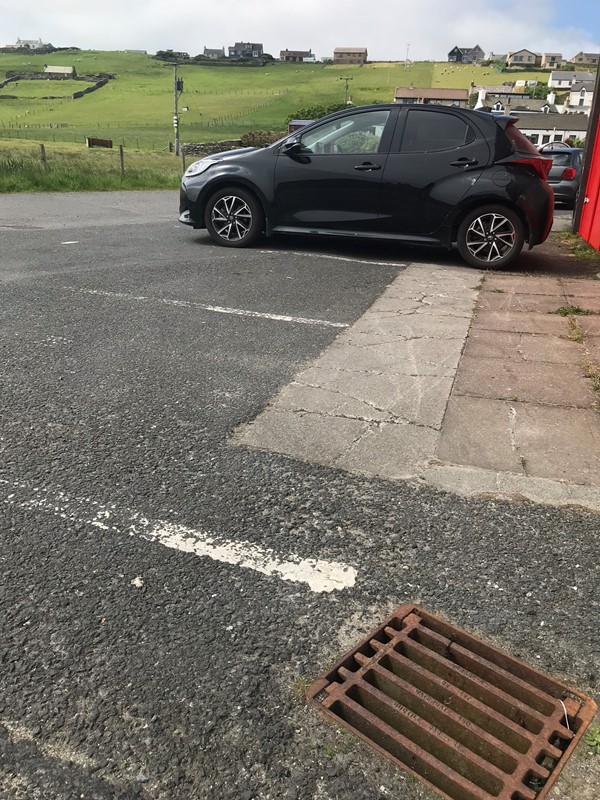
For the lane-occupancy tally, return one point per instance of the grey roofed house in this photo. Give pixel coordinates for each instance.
(571, 75)
(589, 86)
(593, 59)
(295, 55)
(214, 53)
(32, 44)
(428, 96)
(572, 122)
(548, 128)
(246, 50)
(466, 55)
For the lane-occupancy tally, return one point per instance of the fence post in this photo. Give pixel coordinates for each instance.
(43, 158)
(122, 159)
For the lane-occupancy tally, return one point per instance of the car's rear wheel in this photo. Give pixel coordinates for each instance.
(490, 237)
(234, 217)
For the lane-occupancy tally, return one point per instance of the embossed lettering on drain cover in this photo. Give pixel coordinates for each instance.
(468, 719)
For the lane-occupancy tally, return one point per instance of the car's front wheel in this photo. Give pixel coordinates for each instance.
(490, 237)
(234, 217)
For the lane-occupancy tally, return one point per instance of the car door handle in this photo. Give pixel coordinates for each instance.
(464, 162)
(367, 167)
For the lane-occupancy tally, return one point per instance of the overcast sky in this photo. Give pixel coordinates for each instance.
(385, 27)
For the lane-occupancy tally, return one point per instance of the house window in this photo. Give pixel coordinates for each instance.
(557, 137)
(534, 137)
(545, 138)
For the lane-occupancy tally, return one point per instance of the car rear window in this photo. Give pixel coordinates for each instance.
(560, 159)
(518, 140)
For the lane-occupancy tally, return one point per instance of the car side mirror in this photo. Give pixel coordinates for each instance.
(291, 148)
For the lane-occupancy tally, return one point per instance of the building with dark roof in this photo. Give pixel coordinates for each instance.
(466, 55)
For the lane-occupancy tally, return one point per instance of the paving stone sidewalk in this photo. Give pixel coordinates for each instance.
(471, 382)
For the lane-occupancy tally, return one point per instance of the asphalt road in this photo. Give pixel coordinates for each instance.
(134, 665)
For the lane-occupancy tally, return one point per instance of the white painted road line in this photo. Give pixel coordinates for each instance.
(332, 258)
(322, 323)
(317, 574)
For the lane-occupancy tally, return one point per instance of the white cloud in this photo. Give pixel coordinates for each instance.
(431, 27)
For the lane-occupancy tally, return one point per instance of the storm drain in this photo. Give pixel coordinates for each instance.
(465, 717)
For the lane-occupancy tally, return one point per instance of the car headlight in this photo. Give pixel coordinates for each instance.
(200, 166)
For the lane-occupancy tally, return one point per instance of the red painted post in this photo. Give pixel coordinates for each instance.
(586, 220)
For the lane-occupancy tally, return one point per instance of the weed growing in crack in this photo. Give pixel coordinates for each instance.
(572, 311)
(592, 371)
(592, 738)
(575, 333)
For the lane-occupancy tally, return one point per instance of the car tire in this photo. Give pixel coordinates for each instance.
(234, 217)
(490, 237)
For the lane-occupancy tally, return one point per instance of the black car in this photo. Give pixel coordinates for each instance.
(426, 174)
(565, 173)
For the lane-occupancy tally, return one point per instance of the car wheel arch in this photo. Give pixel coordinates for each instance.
(489, 201)
(234, 183)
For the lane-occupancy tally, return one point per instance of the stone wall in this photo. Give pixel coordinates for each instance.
(210, 148)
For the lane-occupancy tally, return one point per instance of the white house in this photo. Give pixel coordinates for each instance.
(563, 79)
(32, 44)
(546, 128)
(581, 96)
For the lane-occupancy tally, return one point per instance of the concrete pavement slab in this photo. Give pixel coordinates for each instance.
(524, 438)
(310, 437)
(592, 345)
(527, 284)
(585, 301)
(547, 384)
(405, 357)
(375, 328)
(558, 443)
(390, 451)
(589, 288)
(506, 301)
(390, 375)
(531, 322)
(421, 399)
(479, 432)
(522, 347)
(420, 388)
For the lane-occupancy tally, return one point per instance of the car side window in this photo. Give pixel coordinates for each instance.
(358, 133)
(427, 132)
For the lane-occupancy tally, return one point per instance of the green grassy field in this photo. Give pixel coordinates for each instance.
(73, 168)
(135, 109)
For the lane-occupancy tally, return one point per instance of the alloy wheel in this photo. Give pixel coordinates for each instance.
(490, 237)
(231, 217)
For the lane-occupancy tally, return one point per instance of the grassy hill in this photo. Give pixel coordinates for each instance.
(136, 107)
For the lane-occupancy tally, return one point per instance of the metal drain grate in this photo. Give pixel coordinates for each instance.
(465, 717)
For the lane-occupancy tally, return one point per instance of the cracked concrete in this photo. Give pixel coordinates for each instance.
(391, 373)
(462, 381)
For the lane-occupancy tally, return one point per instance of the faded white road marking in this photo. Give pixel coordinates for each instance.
(319, 575)
(331, 258)
(69, 242)
(241, 312)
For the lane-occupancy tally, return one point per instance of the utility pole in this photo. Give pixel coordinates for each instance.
(345, 88)
(177, 90)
